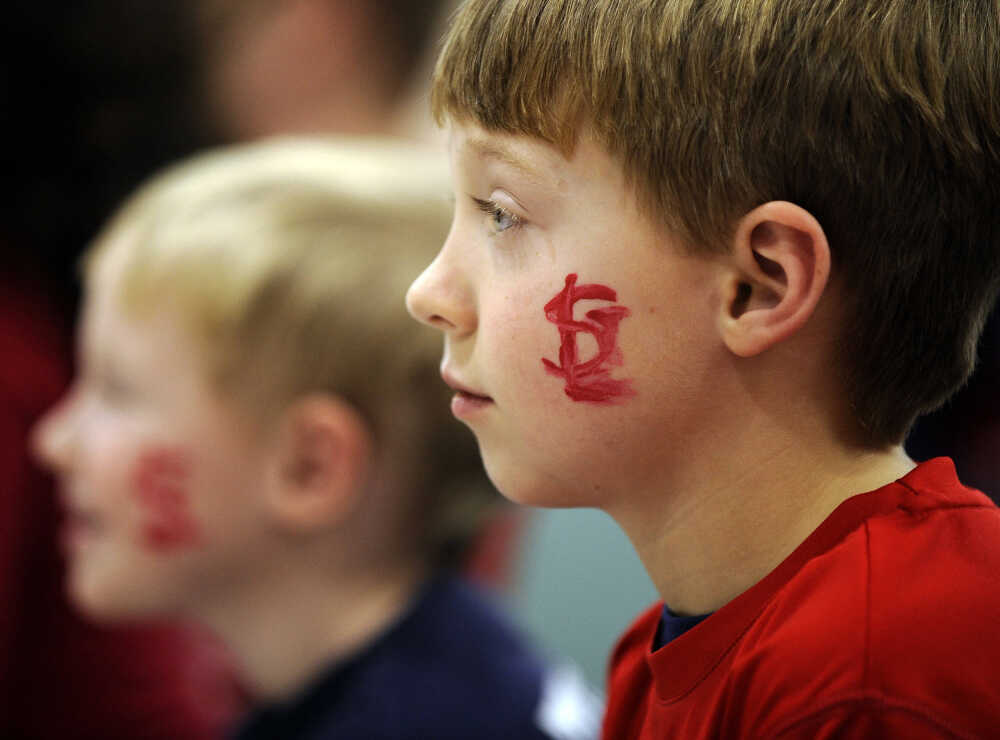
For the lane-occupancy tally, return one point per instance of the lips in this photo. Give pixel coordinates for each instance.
(464, 390)
(77, 517)
(78, 529)
(467, 401)
(474, 397)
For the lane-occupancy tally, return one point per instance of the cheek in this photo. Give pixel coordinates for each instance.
(588, 343)
(160, 483)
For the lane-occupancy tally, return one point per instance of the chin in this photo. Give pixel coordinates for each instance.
(522, 485)
(106, 602)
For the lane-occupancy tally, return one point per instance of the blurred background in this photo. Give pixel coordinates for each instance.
(98, 94)
(577, 585)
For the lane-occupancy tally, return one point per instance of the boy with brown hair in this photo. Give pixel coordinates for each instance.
(709, 260)
(257, 441)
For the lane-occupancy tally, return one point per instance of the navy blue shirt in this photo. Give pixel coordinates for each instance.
(451, 668)
(673, 626)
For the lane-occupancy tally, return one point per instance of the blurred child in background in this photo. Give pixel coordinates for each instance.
(97, 93)
(307, 66)
(257, 440)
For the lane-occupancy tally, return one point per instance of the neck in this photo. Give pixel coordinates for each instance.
(704, 544)
(288, 628)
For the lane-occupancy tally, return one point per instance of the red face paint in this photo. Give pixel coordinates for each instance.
(591, 380)
(159, 484)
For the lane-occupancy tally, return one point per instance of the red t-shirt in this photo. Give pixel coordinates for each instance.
(884, 623)
(60, 675)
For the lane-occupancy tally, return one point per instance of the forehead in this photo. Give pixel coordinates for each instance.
(102, 283)
(111, 328)
(588, 176)
(532, 158)
(110, 334)
(529, 157)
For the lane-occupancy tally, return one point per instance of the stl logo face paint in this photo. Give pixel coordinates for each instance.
(159, 484)
(590, 380)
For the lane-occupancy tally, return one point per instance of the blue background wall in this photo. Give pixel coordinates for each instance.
(578, 584)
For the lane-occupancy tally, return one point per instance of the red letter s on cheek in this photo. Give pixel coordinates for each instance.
(589, 381)
(159, 484)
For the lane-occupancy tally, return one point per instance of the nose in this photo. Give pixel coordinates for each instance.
(442, 296)
(53, 434)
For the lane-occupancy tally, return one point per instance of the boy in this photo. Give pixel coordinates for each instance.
(708, 262)
(255, 442)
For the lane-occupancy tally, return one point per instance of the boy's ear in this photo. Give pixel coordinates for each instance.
(779, 269)
(322, 457)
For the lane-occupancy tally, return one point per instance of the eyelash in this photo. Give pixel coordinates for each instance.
(494, 210)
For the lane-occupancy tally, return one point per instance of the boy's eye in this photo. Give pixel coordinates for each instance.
(500, 218)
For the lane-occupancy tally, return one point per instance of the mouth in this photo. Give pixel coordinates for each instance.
(80, 524)
(461, 388)
(78, 529)
(466, 401)
(469, 397)
(465, 405)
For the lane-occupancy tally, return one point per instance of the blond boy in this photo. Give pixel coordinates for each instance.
(709, 260)
(255, 442)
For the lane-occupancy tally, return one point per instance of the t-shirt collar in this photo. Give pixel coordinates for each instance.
(682, 664)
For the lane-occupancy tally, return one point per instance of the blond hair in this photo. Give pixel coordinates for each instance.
(289, 261)
(881, 117)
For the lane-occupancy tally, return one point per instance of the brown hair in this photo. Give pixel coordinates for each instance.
(881, 117)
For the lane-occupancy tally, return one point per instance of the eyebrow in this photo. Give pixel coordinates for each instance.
(499, 151)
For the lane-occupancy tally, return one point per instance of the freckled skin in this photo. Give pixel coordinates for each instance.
(588, 381)
(159, 485)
